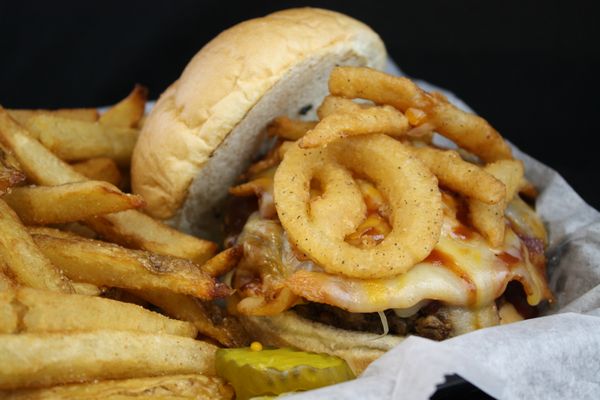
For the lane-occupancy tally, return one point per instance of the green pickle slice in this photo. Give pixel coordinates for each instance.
(271, 372)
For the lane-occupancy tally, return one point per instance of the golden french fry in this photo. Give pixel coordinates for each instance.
(106, 264)
(130, 228)
(208, 318)
(461, 176)
(45, 359)
(9, 174)
(43, 311)
(199, 387)
(21, 256)
(527, 189)
(43, 230)
(223, 262)
(99, 169)
(137, 230)
(86, 289)
(467, 130)
(5, 282)
(289, 129)
(379, 119)
(488, 219)
(74, 140)
(82, 114)
(70, 202)
(9, 317)
(129, 111)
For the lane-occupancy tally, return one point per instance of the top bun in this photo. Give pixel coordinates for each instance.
(207, 126)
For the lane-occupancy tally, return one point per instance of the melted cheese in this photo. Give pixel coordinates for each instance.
(461, 271)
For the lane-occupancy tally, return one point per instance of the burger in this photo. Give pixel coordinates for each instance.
(357, 228)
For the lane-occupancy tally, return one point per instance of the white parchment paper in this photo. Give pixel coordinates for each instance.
(553, 357)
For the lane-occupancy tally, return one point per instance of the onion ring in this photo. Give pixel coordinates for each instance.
(467, 130)
(363, 121)
(410, 188)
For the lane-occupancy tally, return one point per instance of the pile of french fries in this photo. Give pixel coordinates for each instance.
(96, 297)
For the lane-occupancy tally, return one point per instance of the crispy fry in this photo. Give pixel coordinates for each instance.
(82, 114)
(106, 264)
(74, 140)
(467, 130)
(86, 289)
(130, 228)
(488, 219)
(289, 129)
(99, 169)
(24, 260)
(42, 311)
(69, 202)
(5, 283)
(461, 176)
(208, 318)
(42, 230)
(10, 175)
(380, 119)
(129, 111)
(44, 359)
(223, 262)
(199, 387)
(136, 230)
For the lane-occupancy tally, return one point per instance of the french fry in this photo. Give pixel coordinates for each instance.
(199, 387)
(106, 264)
(136, 230)
(45, 359)
(5, 282)
(129, 111)
(99, 169)
(9, 317)
(21, 256)
(70, 202)
(82, 114)
(223, 262)
(9, 174)
(488, 219)
(129, 228)
(42, 311)
(289, 129)
(208, 318)
(465, 129)
(461, 176)
(74, 140)
(86, 289)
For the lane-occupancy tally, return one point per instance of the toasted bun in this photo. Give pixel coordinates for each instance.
(288, 329)
(207, 126)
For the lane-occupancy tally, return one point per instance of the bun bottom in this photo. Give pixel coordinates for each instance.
(288, 329)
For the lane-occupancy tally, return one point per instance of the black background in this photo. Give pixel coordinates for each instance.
(530, 68)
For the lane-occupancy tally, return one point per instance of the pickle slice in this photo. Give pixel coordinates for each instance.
(275, 371)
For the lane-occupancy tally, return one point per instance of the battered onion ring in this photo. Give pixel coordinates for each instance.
(409, 187)
(363, 121)
(467, 130)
